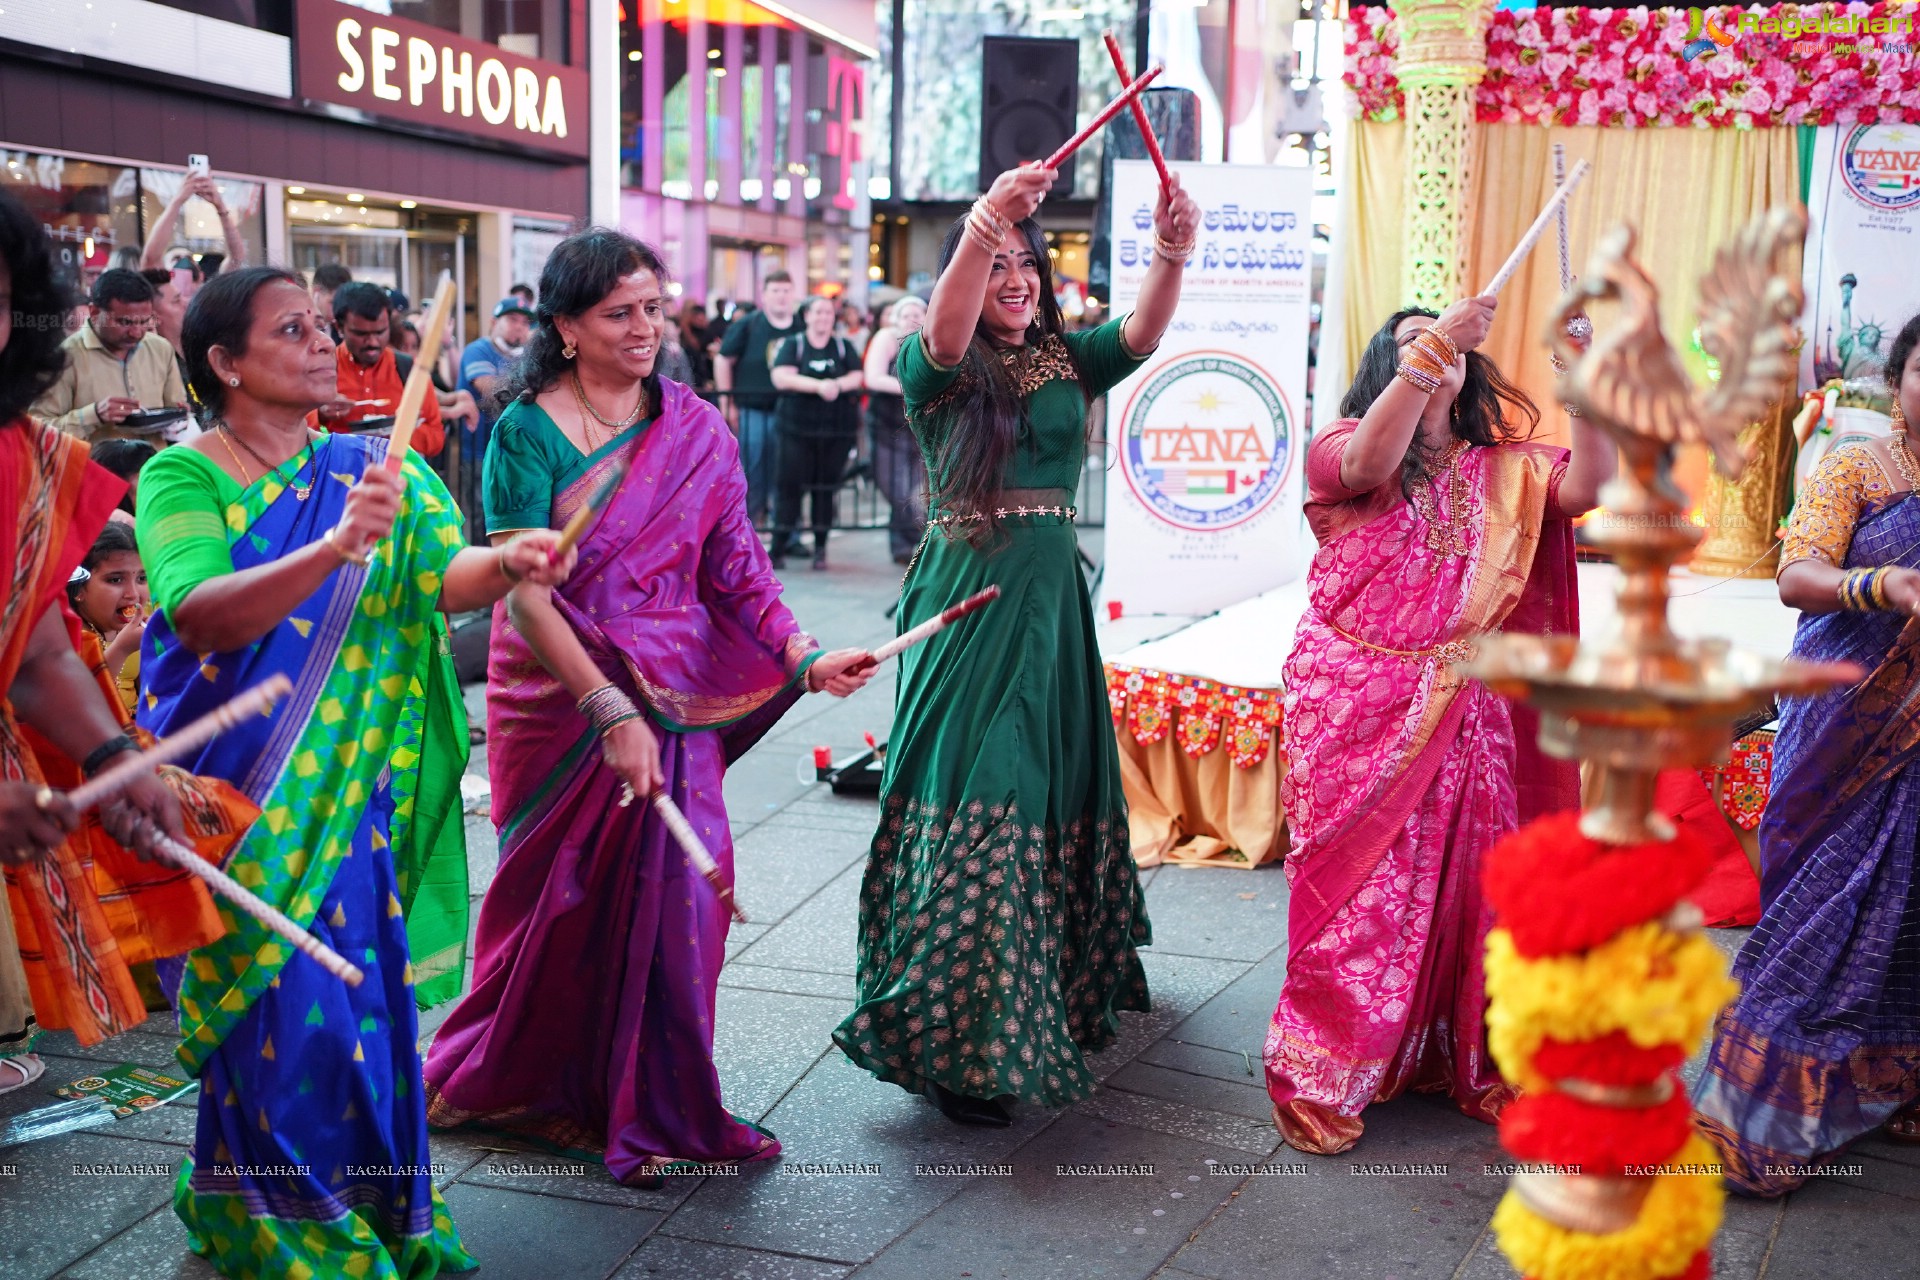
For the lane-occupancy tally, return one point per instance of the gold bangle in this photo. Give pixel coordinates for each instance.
(357, 559)
(1166, 248)
(513, 579)
(1448, 353)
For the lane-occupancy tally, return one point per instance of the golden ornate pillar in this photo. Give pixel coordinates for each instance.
(1443, 55)
(1742, 515)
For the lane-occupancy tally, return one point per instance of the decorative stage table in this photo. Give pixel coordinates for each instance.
(1199, 718)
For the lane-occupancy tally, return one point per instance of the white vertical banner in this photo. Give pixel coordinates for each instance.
(1207, 440)
(1864, 216)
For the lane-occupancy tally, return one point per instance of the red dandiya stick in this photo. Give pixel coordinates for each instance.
(1111, 110)
(258, 700)
(932, 626)
(1139, 112)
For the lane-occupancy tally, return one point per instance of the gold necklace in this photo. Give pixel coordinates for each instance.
(246, 481)
(300, 492)
(1448, 534)
(1904, 462)
(639, 406)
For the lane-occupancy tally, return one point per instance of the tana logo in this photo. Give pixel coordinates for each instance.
(1704, 36)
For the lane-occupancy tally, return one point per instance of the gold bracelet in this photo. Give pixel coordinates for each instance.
(983, 238)
(1166, 248)
(513, 579)
(355, 558)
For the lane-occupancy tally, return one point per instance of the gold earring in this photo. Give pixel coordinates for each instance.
(1899, 413)
(566, 352)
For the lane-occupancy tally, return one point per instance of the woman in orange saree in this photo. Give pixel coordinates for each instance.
(1437, 521)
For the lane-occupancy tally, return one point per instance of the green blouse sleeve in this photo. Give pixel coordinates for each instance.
(182, 524)
(518, 478)
(920, 378)
(1104, 359)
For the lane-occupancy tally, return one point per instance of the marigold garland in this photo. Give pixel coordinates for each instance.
(1555, 889)
(1599, 1141)
(1655, 985)
(1677, 1222)
(1611, 1059)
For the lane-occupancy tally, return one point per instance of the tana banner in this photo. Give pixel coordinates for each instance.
(1206, 442)
(1864, 216)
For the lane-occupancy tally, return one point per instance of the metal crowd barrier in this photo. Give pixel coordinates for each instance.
(860, 504)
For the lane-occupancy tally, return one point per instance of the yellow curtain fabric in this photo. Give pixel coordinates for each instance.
(1369, 208)
(1685, 190)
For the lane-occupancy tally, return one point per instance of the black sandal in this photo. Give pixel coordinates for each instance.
(987, 1113)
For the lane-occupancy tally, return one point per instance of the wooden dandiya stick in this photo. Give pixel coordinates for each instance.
(1139, 112)
(932, 626)
(258, 700)
(1107, 113)
(246, 900)
(689, 841)
(420, 381)
(1557, 201)
(576, 528)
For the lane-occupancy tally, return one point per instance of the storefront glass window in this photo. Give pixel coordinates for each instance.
(198, 231)
(530, 28)
(88, 209)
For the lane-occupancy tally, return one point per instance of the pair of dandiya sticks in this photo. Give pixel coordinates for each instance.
(259, 700)
(1129, 97)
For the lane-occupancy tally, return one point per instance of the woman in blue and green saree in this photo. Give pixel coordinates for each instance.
(273, 550)
(1823, 1044)
(1001, 912)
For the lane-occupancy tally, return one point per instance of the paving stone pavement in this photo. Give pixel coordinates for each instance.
(1212, 1195)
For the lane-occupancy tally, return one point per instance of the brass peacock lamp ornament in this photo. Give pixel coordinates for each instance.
(1643, 700)
(1598, 980)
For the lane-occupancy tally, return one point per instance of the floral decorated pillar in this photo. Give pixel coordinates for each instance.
(1443, 55)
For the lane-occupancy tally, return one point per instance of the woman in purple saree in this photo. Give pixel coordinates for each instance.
(590, 1024)
(1436, 523)
(1823, 1044)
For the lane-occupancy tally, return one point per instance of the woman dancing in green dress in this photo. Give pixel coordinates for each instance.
(1000, 909)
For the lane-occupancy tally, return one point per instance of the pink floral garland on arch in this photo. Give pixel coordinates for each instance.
(1623, 68)
(1199, 712)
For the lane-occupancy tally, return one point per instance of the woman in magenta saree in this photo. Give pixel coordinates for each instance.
(589, 1027)
(1436, 522)
(1823, 1044)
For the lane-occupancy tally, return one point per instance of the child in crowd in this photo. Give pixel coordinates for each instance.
(109, 592)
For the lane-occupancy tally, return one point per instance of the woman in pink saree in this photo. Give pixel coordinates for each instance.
(1437, 521)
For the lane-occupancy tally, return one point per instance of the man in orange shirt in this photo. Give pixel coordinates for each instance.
(370, 378)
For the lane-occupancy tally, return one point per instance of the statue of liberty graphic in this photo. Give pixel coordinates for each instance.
(1855, 352)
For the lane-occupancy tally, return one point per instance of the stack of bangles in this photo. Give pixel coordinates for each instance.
(1175, 253)
(1425, 360)
(1865, 590)
(607, 707)
(987, 226)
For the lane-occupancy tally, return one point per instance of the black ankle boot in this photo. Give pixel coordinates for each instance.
(988, 1113)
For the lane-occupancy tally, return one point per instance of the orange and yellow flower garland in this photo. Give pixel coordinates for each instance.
(1599, 981)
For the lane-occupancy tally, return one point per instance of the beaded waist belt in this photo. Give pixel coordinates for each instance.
(1451, 651)
(1021, 502)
